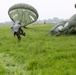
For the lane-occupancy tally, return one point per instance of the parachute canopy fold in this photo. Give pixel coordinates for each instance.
(24, 13)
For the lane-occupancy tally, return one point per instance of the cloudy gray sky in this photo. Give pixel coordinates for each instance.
(46, 8)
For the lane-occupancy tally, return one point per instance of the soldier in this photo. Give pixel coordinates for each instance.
(17, 30)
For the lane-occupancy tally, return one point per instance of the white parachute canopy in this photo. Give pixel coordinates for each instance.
(24, 13)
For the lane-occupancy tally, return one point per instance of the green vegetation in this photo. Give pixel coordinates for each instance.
(38, 53)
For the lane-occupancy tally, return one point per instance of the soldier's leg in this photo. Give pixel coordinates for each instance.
(22, 32)
(14, 34)
(19, 37)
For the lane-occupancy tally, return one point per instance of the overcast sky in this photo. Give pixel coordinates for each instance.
(47, 9)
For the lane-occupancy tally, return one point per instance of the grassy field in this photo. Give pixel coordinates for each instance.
(38, 53)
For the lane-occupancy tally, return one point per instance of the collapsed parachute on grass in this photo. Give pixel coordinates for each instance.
(24, 13)
(65, 27)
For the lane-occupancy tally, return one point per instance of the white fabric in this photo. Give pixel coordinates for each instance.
(60, 27)
(66, 24)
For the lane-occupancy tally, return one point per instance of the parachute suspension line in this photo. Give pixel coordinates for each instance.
(18, 15)
(21, 17)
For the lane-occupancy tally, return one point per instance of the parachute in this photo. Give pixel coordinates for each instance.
(65, 27)
(24, 13)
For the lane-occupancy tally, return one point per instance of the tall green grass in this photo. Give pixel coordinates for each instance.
(38, 53)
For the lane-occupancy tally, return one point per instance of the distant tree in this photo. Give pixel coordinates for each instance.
(44, 22)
